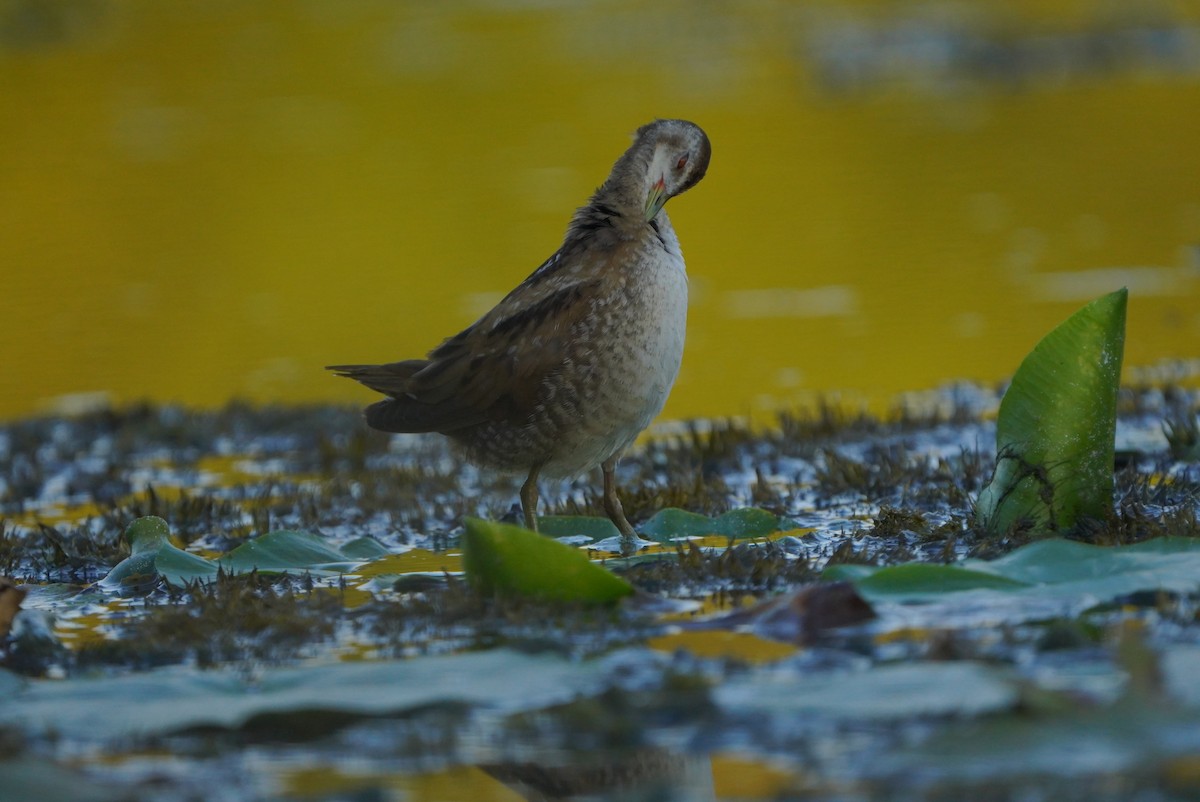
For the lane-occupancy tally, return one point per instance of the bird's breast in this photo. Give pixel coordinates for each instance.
(633, 353)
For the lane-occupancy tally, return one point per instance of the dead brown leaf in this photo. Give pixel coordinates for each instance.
(800, 616)
(10, 602)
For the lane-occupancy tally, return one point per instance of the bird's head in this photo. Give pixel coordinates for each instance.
(678, 158)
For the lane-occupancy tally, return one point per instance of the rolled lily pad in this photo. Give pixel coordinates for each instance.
(147, 534)
(1056, 425)
(748, 522)
(153, 556)
(510, 561)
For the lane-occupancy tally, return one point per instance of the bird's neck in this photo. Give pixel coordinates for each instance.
(628, 184)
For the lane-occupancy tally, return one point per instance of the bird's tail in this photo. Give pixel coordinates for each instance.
(403, 412)
(390, 379)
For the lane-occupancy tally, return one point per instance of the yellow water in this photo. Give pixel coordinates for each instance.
(206, 200)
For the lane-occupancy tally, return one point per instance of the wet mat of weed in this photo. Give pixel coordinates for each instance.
(966, 679)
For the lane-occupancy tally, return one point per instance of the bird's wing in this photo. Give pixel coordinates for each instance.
(402, 412)
(492, 370)
(495, 369)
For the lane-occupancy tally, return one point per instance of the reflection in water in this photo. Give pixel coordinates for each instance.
(215, 200)
(938, 49)
(1146, 282)
(831, 301)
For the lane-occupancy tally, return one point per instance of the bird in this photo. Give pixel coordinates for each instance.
(568, 369)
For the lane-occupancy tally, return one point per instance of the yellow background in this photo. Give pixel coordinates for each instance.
(202, 200)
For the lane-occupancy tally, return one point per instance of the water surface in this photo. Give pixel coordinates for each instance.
(213, 200)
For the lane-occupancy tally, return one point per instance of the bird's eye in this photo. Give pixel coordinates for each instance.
(679, 165)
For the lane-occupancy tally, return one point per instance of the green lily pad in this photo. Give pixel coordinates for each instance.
(878, 693)
(153, 555)
(177, 699)
(919, 577)
(1055, 429)
(507, 560)
(364, 548)
(286, 550)
(147, 534)
(748, 522)
(592, 526)
(178, 566)
(1050, 569)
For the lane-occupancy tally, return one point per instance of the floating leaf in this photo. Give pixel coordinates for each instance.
(1048, 570)
(286, 550)
(149, 540)
(748, 522)
(364, 548)
(511, 561)
(154, 556)
(592, 526)
(176, 699)
(918, 577)
(178, 566)
(1055, 430)
(877, 693)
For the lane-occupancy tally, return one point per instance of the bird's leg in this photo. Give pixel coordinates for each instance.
(612, 505)
(529, 498)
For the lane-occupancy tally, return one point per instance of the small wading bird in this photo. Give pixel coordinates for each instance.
(566, 371)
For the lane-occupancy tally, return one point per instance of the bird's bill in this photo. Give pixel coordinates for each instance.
(656, 198)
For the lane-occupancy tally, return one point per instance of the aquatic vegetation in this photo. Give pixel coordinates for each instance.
(1055, 429)
(501, 559)
(290, 560)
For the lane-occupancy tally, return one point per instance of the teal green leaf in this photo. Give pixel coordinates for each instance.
(1049, 569)
(877, 693)
(1056, 425)
(180, 698)
(510, 561)
(573, 525)
(153, 555)
(364, 548)
(286, 550)
(179, 567)
(147, 534)
(919, 578)
(747, 522)
(133, 574)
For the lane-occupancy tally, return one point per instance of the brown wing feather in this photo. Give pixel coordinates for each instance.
(498, 367)
(493, 370)
(403, 412)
